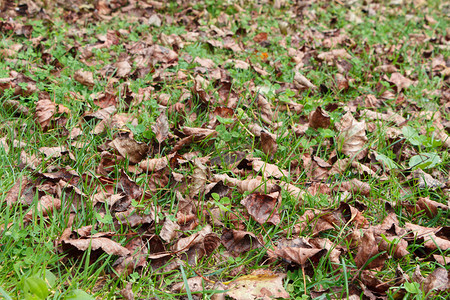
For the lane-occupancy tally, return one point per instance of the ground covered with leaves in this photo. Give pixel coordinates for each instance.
(224, 149)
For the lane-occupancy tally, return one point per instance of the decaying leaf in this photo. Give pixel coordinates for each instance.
(85, 78)
(268, 143)
(352, 137)
(237, 242)
(105, 244)
(161, 128)
(129, 148)
(319, 119)
(262, 208)
(261, 284)
(45, 109)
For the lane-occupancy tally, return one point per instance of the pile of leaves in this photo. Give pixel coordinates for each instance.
(249, 149)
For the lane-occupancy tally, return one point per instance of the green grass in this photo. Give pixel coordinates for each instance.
(30, 249)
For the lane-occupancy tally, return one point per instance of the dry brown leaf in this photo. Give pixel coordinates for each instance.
(137, 258)
(156, 164)
(304, 81)
(367, 249)
(45, 110)
(400, 81)
(199, 133)
(268, 144)
(268, 170)
(129, 148)
(386, 117)
(205, 62)
(198, 179)
(438, 280)
(261, 284)
(334, 55)
(237, 242)
(123, 68)
(319, 119)
(352, 137)
(266, 109)
(429, 235)
(300, 255)
(248, 185)
(169, 230)
(195, 284)
(262, 208)
(105, 244)
(53, 151)
(85, 78)
(44, 206)
(161, 128)
(17, 190)
(386, 69)
(354, 186)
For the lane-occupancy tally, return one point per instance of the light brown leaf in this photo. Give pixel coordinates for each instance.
(352, 137)
(261, 284)
(105, 244)
(248, 185)
(123, 68)
(304, 81)
(129, 148)
(45, 109)
(205, 62)
(156, 164)
(334, 55)
(268, 170)
(161, 128)
(195, 284)
(169, 230)
(400, 81)
(438, 280)
(85, 78)
(45, 206)
(430, 236)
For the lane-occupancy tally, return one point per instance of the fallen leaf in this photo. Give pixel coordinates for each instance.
(129, 148)
(352, 137)
(161, 128)
(268, 144)
(45, 110)
(319, 119)
(262, 208)
(46, 205)
(237, 242)
(260, 284)
(85, 78)
(105, 244)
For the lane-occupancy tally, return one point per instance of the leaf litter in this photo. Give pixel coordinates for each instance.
(159, 201)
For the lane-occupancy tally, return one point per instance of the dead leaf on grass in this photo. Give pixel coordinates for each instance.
(268, 144)
(161, 128)
(352, 137)
(319, 119)
(105, 244)
(237, 242)
(262, 208)
(45, 206)
(260, 284)
(129, 148)
(45, 110)
(85, 78)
